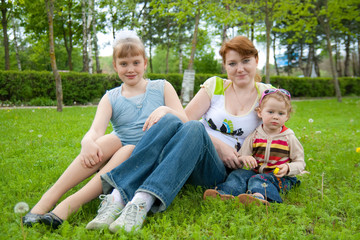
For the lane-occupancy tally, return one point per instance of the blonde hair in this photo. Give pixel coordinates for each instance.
(278, 96)
(127, 43)
(243, 46)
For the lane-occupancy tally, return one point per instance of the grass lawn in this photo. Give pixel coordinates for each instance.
(38, 144)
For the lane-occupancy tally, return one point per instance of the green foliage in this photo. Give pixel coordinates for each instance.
(42, 101)
(317, 87)
(80, 88)
(83, 88)
(158, 61)
(207, 64)
(38, 144)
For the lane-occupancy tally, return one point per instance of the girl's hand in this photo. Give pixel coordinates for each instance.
(248, 161)
(90, 155)
(283, 170)
(155, 116)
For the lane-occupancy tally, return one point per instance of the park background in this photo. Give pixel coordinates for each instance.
(310, 47)
(295, 38)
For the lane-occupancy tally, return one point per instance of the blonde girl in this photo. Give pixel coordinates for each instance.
(132, 108)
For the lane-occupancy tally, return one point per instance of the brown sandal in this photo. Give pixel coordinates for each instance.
(214, 194)
(247, 199)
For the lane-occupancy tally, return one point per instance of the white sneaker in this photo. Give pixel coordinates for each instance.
(131, 217)
(106, 214)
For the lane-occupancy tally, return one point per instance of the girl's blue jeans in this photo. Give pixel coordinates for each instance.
(241, 180)
(169, 154)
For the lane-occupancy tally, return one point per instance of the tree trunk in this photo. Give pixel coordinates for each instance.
(225, 28)
(89, 38)
(326, 27)
(252, 25)
(347, 56)
(223, 39)
(354, 62)
(180, 59)
(4, 23)
(16, 46)
(68, 43)
(316, 64)
(358, 55)
(167, 59)
(338, 58)
(288, 54)
(301, 66)
(59, 94)
(150, 56)
(274, 50)
(194, 41)
(70, 37)
(268, 24)
(168, 45)
(96, 48)
(309, 61)
(187, 87)
(85, 54)
(224, 36)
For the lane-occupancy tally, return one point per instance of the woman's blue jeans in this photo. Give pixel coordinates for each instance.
(169, 154)
(241, 180)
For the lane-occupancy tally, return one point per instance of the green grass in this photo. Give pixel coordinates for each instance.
(38, 144)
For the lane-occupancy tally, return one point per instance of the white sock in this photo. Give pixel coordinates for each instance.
(116, 196)
(144, 196)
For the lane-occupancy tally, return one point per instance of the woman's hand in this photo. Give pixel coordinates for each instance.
(248, 161)
(283, 170)
(229, 156)
(90, 155)
(155, 116)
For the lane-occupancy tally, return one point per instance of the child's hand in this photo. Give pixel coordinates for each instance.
(155, 116)
(283, 170)
(90, 155)
(248, 161)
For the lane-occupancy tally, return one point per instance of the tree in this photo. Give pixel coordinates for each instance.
(59, 94)
(89, 21)
(5, 6)
(181, 10)
(273, 11)
(324, 20)
(84, 37)
(67, 29)
(298, 30)
(96, 49)
(16, 44)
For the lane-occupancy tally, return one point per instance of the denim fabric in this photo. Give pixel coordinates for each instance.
(241, 180)
(170, 154)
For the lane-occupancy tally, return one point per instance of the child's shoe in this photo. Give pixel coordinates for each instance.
(31, 218)
(131, 217)
(247, 199)
(215, 193)
(106, 214)
(51, 220)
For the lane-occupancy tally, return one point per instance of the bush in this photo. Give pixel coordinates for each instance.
(42, 101)
(82, 88)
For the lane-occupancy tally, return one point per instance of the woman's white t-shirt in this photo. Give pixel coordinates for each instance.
(229, 128)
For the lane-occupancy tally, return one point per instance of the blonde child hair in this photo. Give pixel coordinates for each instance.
(278, 95)
(127, 44)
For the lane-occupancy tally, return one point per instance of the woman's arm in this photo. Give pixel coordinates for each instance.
(196, 108)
